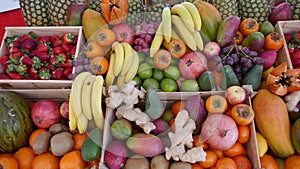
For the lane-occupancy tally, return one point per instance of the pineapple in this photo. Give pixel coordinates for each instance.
(135, 12)
(226, 7)
(94, 5)
(35, 13)
(257, 9)
(295, 8)
(58, 10)
(153, 13)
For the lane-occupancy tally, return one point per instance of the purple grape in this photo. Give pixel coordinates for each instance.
(145, 45)
(139, 41)
(253, 53)
(138, 48)
(226, 49)
(86, 67)
(239, 76)
(71, 76)
(151, 31)
(259, 60)
(86, 61)
(229, 61)
(143, 34)
(146, 50)
(217, 59)
(222, 55)
(237, 69)
(79, 60)
(235, 58)
(148, 39)
(246, 50)
(79, 69)
(247, 63)
(219, 67)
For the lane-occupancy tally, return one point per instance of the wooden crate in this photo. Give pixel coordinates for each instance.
(283, 27)
(41, 31)
(252, 148)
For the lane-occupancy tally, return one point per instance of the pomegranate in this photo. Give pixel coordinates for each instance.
(45, 113)
(192, 65)
(64, 109)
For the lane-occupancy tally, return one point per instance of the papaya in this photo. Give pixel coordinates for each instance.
(254, 41)
(296, 135)
(92, 21)
(227, 30)
(272, 121)
(210, 18)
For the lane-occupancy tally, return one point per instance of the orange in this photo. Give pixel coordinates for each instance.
(236, 149)
(7, 162)
(268, 162)
(211, 159)
(244, 133)
(78, 140)
(216, 104)
(292, 162)
(242, 162)
(177, 106)
(72, 160)
(196, 166)
(198, 142)
(25, 156)
(45, 160)
(226, 163)
(34, 134)
(219, 153)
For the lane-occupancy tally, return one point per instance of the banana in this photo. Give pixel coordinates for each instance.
(134, 68)
(198, 40)
(76, 93)
(185, 35)
(110, 77)
(167, 24)
(175, 35)
(119, 57)
(72, 116)
(185, 15)
(194, 13)
(120, 82)
(97, 102)
(128, 58)
(82, 124)
(157, 40)
(86, 96)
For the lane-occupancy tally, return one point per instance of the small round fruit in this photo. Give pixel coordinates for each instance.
(189, 86)
(138, 80)
(235, 95)
(106, 37)
(121, 129)
(216, 104)
(145, 70)
(150, 60)
(172, 72)
(158, 74)
(177, 48)
(150, 83)
(142, 57)
(242, 114)
(168, 85)
(99, 65)
(162, 59)
(167, 115)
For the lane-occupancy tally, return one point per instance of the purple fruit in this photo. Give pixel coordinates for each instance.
(115, 155)
(161, 126)
(227, 30)
(195, 107)
(269, 58)
(74, 13)
(281, 12)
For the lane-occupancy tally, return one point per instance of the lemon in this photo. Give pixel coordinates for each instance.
(262, 144)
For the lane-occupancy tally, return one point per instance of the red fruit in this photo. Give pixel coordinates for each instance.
(42, 47)
(4, 59)
(269, 58)
(288, 37)
(43, 39)
(161, 126)
(45, 113)
(17, 55)
(4, 76)
(44, 73)
(64, 109)
(66, 46)
(68, 38)
(192, 65)
(295, 56)
(68, 71)
(29, 44)
(115, 155)
(296, 37)
(124, 33)
(66, 64)
(291, 49)
(57, 50)
(281, 12)
(57, 73)
(14, 50)
(43, 56)
(15, 75)
(26, 60)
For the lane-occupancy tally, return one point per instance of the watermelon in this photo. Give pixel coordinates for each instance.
(16, 124)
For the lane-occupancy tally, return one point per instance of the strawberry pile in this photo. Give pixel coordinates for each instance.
(293, 44)
(38, 57)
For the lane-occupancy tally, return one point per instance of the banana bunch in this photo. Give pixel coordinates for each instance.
(123, 64)
(85, 102)
(186, 21)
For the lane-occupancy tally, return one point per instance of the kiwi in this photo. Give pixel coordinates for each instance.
(159, 162)
(61, 143)
(40, 144)
(135, 161)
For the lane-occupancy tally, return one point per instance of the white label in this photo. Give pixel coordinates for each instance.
(7, 5)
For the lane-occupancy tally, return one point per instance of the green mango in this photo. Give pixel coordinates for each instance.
(253, 76)
(207, 81)
(91, 147)
(229, 78)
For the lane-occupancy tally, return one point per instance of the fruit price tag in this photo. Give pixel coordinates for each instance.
(9, 5)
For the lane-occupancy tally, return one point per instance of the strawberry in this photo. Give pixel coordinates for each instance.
(288, 37)
(26, 60)
(15, 75)
(4, 59)
(291, 48)
(14, 50)
(44, 73)
(296, 37)
(22, 69)
(16, 43)
(57, 50)
(17, 55)
(53, 60)
(3, 68)
(57, 73)
(4, 76)
(29, 44)
(69, 38)
(43, 56)
(11, 68)
(54, 37)
(66, 64)
(68, 71)
(43, 47)
(57, 42)
(67, 47)
(50, 66)
(29, 35)
(61, 57)
(37, 63)
(73, 51)
(44, 39)
(33, 77)
(32, 71)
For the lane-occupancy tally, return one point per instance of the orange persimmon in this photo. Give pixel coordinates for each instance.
(93, 49)
(177, 48)
(162, 59)
(248, 26)
(106, 37)
(216, 104)
(99, 65)
(273, 41)
(238, 38)
(242, 114)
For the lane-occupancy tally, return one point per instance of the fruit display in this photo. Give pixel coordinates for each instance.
(191, 84)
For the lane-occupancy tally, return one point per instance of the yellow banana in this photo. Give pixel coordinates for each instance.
(110, 77)
(119, 51)
(175, 35)
(157, 40)
(194, 13)
(185, 15)
(185, 35)
(134, 68)
(76, 92)
(120, 82)
(167, 24)
(86, 96)
(198, 40)
(72, 116)
(128, 58)
(97, 102)
(82, 124)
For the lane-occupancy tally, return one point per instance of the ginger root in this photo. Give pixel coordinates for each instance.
(183, 137)
(291, 100)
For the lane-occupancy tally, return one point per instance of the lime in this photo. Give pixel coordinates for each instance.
(145, 70)
(121, 129)
(168, 85)
(142, 57)
(189, 86)
(261, 144)
(172, 72)
(150, 60)
(138, 80)
(150, 83)
(158, 74)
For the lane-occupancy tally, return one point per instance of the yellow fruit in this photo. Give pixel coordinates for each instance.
(267, 72)
(261, 144)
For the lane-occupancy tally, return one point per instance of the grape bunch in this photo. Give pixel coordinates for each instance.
(240, 58)
(144, 35)
(81, 64)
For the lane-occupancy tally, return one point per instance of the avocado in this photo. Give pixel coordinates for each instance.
(91, 147)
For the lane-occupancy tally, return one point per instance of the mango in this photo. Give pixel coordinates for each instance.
(147, 145)
(296, 135)
(253, 77)
(227, 30)
(266, 27)
(74, 14)
(210, 17)
(255, 41)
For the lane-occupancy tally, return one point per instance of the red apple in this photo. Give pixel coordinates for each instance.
(235, 95)
(211, 49)
(192, 65)
(115, 155)
(64, 109)
(219, 131)
(124, 33)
